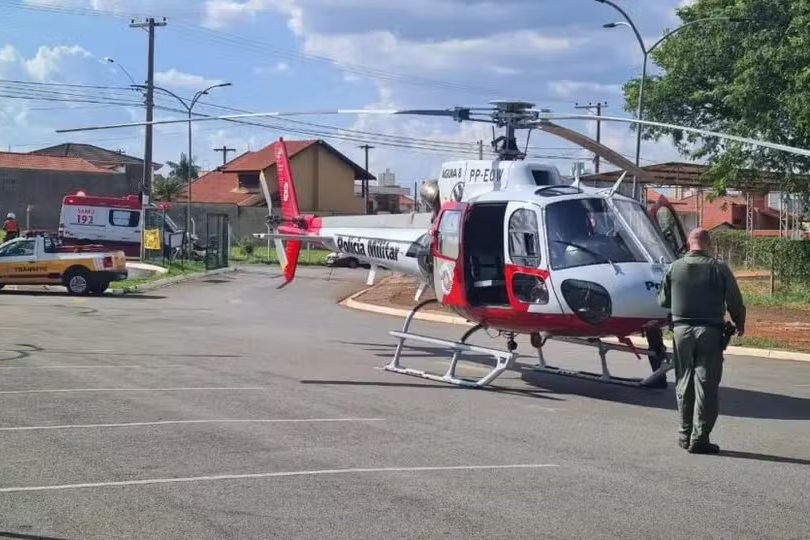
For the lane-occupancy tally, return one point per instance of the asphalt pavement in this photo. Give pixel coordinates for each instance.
(227, 408)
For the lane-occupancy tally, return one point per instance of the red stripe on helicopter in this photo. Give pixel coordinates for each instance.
(509, 271)
(559, 324)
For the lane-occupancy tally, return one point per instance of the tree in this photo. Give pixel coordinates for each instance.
(180, 169)
(166, 189)
(750, 79)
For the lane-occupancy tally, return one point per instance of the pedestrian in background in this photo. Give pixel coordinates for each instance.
(699, 290)
(11, 227)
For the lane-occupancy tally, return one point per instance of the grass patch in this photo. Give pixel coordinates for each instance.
(261, 255)
(174, 269)
(757, 292)
(755, 342)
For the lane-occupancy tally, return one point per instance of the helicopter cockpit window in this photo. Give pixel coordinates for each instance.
(584, 232)
(645, 231)
(449, 228)
(524, 246)
(542, 177)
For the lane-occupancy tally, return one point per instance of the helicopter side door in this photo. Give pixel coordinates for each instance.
(526, 269)
(665, 216)
(448, 254)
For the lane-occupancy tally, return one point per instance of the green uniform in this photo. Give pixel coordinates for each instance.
(698, 290)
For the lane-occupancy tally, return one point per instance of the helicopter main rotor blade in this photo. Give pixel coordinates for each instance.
(707, 133)
(458, 112)
(597, 148)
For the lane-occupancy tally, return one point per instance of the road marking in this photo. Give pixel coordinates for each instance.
(95, 367)
(272, 475)
(64, 390)
(177, 422)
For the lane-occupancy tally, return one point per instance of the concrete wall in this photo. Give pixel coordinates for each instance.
(44, 190)
(244, 221)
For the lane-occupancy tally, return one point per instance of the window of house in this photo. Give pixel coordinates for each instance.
(249, 180)
(124, 218)
(524, 242)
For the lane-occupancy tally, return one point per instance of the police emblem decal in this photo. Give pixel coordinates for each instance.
(447, 279)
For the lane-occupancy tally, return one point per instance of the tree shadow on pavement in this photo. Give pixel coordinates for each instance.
(21, 536)
(734, 402)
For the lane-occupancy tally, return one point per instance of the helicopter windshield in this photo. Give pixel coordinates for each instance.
(583, 232)
(645, 230)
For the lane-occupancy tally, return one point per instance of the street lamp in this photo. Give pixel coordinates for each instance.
(189, 108)
(646, 52)
(112, 61)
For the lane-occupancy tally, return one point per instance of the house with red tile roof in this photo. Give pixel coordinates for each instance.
(33, 185)
(324, 179)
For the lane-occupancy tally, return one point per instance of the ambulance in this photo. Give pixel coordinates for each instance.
(114, 222)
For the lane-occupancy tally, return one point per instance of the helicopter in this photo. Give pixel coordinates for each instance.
(510, 246)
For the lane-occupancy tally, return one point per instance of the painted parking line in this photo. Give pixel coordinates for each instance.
(93, 367)
(181, 422)
(272, 475)
(191, 389)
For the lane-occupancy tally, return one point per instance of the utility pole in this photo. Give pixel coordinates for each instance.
(366, 147)
(150, 24)
(598, 107)
(224, 151)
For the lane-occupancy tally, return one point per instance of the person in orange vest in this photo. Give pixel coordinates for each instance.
(11, 227)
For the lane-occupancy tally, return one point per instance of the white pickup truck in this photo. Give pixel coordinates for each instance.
(43, 260)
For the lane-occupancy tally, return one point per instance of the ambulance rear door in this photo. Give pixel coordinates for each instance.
(84, 222)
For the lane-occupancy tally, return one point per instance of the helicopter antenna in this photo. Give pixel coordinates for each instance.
(528, 136)
(617, 184)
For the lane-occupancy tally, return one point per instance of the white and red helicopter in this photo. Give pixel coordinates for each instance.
(510, 246)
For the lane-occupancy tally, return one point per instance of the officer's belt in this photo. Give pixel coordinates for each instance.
(699, 322)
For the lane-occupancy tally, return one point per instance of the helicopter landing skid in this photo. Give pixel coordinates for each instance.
(503, 359)
(650, 381)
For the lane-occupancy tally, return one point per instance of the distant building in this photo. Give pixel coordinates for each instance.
(757, 210)
(387, 178)
(33, 185)
(324, 179)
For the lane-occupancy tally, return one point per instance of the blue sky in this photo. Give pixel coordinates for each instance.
(320, 54)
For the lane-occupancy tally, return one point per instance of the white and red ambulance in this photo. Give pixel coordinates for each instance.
(114, 222)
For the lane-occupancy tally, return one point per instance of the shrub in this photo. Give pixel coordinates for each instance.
(789, 259)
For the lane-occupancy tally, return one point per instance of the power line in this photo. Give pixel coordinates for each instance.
(223, 38)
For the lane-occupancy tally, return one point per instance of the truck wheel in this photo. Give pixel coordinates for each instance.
(78, 282)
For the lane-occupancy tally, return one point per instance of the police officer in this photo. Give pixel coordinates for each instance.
(698, 289)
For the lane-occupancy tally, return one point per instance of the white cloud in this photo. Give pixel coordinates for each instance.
(174, 77)
(279, 67)
(441, 53)
(53, 63)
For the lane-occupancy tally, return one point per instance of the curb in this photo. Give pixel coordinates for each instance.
(352, 303)
(159, 283)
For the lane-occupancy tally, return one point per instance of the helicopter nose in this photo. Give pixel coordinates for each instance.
(596, 296)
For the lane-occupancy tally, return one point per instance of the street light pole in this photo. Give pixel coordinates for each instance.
(646, 52)
(189, 108)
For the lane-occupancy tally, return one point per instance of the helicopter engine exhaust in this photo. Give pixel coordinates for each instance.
(429, 193)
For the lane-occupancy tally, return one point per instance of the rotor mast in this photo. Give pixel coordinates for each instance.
(511, 115)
